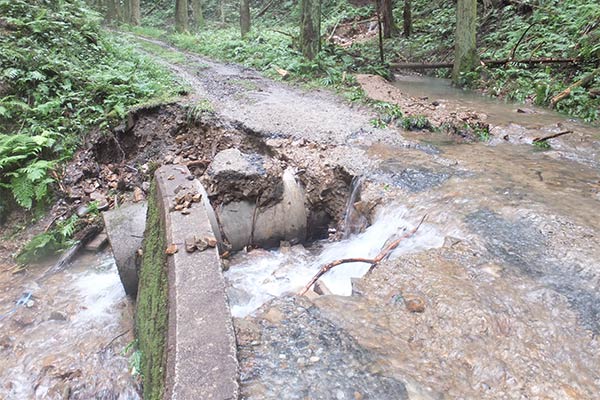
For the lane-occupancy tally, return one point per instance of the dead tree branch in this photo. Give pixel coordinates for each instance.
(383, 254)
(554, 135)
(584, 83)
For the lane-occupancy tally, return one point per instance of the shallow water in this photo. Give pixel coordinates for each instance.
(507, 267)
(65, 344)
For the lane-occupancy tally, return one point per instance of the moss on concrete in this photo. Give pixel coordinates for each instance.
(152, 303)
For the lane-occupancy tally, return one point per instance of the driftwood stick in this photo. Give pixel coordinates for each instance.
(554, 135)
(373, 261)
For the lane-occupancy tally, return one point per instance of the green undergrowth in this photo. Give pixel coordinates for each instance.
(61, 75)
(557, 29)
(152, 303)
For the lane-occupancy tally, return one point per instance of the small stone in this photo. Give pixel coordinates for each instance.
(190, 177)
(168, 159)
(30, 304)
(172, 249)
(138, 195)
(57, 316)
(171, 177)
(179, 207)
(314, 359)
(196, 198)
(201, 244)
(210, 241)
(146, 187)
(358, 396)
(225, 265)
(190, 245)
(415, 304)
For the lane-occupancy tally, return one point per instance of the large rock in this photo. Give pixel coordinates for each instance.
(125, 228)
(236, 176)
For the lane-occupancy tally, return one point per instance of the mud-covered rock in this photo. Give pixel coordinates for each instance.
(233, 175)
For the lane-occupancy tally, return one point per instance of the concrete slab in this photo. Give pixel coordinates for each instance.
(125, 228)
(201, 346)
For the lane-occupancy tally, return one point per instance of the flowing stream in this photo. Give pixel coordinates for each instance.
(495, 297)
(68, 340)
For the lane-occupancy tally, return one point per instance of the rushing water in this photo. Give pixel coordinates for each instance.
(68, 341)
(506, 268)
(260, 275)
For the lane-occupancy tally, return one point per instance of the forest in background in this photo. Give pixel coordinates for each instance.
(64, 75)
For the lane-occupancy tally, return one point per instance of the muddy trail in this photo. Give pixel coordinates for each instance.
(496, 296)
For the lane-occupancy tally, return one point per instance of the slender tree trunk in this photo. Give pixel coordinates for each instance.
(387, 18)
(465, 40)
(181, 15)
(310, 28)
(197, 15)
(223, 12)
(126, 11)
(111, 10)
(245, 16)
(135, 12)
(407, 17)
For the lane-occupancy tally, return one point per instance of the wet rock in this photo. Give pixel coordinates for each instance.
(313, 348)
(57, 316)
(414, 304)
(233, 175)
(321, 289)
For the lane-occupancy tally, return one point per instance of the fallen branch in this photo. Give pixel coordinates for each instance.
(529, 61)
(383, 254)
(554, 135)
(265, 9)
(584, 83)
(514, 49)
(113, 340)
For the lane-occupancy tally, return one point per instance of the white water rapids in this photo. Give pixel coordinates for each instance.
(260, 275)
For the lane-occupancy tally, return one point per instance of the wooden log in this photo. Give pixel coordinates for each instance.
(529, 61)
(584, 83)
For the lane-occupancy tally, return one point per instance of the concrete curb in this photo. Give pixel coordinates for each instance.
(201, 345)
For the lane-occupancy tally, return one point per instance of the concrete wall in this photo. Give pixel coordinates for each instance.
(192, 353)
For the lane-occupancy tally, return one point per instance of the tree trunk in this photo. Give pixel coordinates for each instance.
(181, 15)
(310, 28)
(126, 11)
(111, 10)
(387, 18)
(465, 44)
(197, 15)
(245, 16)
(407, 17)
(135, 12)
(223, 12)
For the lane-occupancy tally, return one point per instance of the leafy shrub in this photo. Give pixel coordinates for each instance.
(61, 74)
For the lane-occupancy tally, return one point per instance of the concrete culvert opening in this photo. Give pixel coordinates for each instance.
(255, 193)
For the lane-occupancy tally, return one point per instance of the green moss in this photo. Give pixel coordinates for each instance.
(152, 303)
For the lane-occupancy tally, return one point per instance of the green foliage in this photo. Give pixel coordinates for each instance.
(542, 145)
(61, 75)
(48, 243)
(416, 123)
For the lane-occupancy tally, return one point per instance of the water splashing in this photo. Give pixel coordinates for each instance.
(259, 276)
(354, 221)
